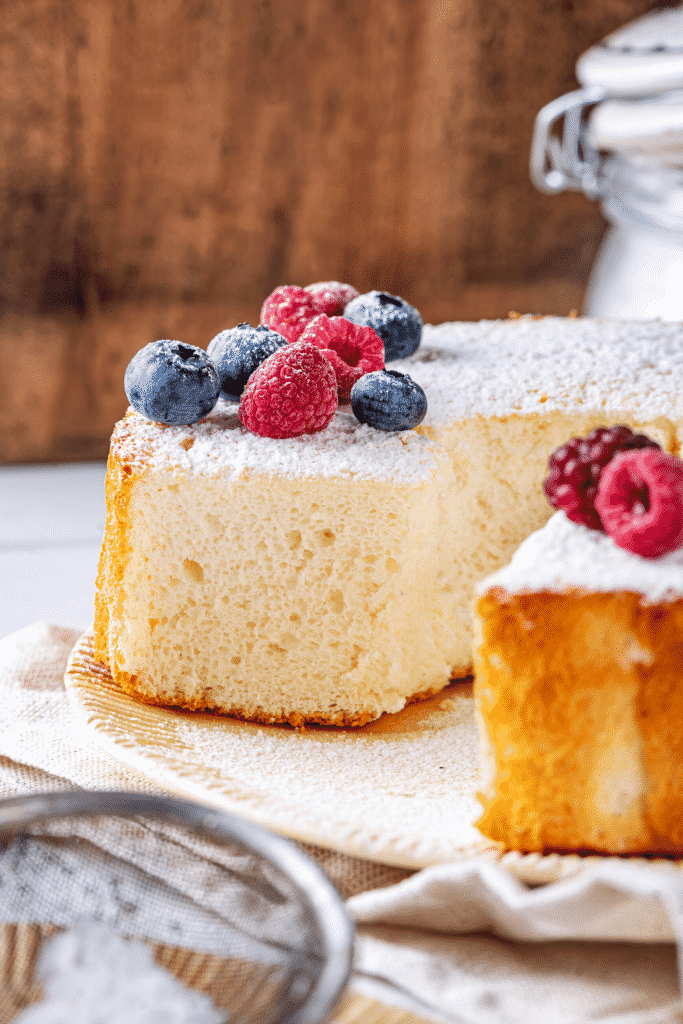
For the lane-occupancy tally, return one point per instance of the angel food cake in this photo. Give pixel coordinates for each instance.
(329, 577)
(579, 662)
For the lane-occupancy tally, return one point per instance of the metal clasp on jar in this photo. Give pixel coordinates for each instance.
(567, 162)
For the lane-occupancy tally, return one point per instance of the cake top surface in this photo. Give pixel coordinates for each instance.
(535, 365)
(220, 446)
(522, 366)
(564, 555)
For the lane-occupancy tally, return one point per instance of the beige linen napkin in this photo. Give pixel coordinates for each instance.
(422, 942)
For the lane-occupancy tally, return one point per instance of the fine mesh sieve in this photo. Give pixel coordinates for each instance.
(102, 882)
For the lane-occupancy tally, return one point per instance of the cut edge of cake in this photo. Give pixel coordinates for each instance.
(316, 585)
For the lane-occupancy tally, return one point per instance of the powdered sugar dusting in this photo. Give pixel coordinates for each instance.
(91, 974)
(491, 368)
(567, 555)
(530, 365)
(220, 445)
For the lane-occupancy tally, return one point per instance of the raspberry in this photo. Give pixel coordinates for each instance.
(293, 392)
(575, 468)
(331, 296)
(640, 502)
(287, 310)
(352, 350)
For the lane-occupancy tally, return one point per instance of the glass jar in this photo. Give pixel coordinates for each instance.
(622, 143)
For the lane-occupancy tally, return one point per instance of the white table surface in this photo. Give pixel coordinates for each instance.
(51, 525)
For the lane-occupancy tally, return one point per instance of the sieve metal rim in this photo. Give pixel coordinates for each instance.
(315, 889)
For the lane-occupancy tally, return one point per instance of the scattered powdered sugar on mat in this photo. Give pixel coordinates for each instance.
(90, 974)
(400, 789)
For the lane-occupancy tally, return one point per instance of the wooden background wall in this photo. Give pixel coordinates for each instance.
(164, 164)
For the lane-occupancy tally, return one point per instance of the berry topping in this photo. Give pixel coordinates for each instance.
(398, 324)
(640, 502)
(293, 392)
(575, 469)
(172, 383)
(351, 349)
(238, 352)
(388, 400)
(288, 309)
(331, 296)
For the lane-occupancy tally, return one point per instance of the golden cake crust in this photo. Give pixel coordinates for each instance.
(581, 707)
(109, 586)
(132, 686)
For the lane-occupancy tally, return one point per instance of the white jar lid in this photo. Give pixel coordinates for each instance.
(651, 127)
(641, 58)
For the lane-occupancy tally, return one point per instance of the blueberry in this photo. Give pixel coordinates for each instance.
(388, 400)
(398, 324)
(238, 352)
(172, 383)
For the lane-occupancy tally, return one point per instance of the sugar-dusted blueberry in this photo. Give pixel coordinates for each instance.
(236, 353)
(388, 400)
(172, 382)
(398, 324)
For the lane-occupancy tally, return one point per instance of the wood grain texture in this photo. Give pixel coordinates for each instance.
(164, 164)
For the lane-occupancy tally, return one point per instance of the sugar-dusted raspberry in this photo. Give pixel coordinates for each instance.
(640, 502)
(331, 296)
(293, 392)
(288, 309)
(574, 470)
(351, 349)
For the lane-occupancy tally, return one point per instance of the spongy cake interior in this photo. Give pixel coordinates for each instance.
(278, 598)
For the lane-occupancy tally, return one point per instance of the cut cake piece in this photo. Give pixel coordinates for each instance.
(329, 577)
(293, 580)
(579, 661)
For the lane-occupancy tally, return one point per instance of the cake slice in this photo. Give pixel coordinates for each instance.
(328, 578)
(579, 696)
(294, 580)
